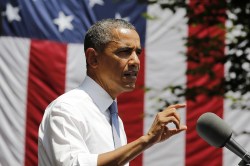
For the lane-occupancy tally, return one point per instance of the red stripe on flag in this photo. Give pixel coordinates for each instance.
(198, 152)
(46, 81)
(131, 109)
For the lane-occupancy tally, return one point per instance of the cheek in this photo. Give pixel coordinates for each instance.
(115, 66)
(119, 64)
(123, 65)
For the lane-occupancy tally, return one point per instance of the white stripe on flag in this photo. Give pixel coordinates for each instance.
(164, 66)
(76, 66)
(14, 73)
(237, 119)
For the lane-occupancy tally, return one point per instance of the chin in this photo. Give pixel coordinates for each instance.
(129, 88)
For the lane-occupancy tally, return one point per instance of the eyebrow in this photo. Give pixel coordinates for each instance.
(129, 48)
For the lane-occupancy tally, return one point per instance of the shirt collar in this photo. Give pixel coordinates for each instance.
(99, 96)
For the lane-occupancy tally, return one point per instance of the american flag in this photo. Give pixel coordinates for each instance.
(42, 56)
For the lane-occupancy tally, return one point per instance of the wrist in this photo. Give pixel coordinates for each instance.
(146, 141)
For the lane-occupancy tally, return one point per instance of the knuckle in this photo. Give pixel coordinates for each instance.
(161, 120)
(159, 117)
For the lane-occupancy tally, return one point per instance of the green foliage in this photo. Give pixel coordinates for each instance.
(233, 18)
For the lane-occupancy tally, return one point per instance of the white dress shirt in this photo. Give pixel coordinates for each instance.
(76, 127)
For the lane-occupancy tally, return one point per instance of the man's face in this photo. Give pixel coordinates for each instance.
(119, 62)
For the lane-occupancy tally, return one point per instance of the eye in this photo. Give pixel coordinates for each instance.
(127, 51)
(138, 52)
(123, 52)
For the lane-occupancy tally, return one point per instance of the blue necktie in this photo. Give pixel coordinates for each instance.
(115, 124)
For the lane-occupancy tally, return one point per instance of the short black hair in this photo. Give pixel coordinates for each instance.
(100, 33)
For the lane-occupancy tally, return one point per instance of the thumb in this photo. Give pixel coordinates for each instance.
(176, 131)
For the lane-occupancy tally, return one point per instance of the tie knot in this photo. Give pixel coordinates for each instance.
(113, 108)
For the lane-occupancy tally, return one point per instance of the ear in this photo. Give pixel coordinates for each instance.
(91, 57)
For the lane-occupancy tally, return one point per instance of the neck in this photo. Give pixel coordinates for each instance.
(99, 81)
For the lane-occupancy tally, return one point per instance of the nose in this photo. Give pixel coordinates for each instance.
(134, 60)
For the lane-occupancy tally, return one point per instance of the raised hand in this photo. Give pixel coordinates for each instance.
(159, 130)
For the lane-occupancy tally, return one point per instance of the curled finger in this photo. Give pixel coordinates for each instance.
(172, 119)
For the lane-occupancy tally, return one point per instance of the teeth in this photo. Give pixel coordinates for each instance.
(131, 74)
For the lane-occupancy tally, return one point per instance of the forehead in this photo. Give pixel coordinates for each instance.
(125, 36)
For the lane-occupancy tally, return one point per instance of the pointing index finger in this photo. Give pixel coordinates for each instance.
(177, 106)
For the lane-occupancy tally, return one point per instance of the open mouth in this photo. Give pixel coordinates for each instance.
(131, 74)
